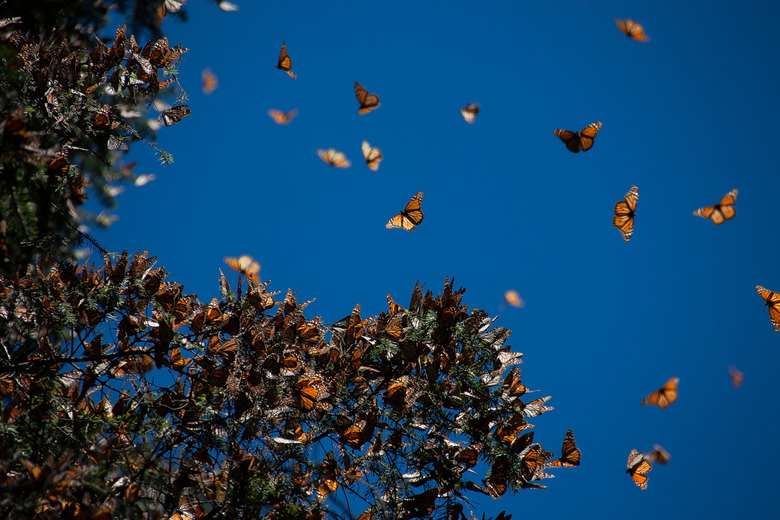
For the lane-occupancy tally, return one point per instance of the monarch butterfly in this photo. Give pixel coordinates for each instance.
(638, 467)
(59, 164)
(570, 454)
(284, 61)
(282, 118)
(772, 300)
(665, 395)
(245, 265)
(334, 158)
(722, 211)
(736, 377)
(373, 156)
(659, 455)
(624, 213)
(512, 297)
(175, 114)
(307, 393)
(209, 81)
(368, 102)
(469, 112)
(632, 29)
(576, 141)
(410, 217)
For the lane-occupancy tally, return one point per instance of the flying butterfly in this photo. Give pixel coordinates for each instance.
(664, 396)
(245, 265)
(373, 156)
(469, 112)
(624, 213)
(409, 217)
(736, 377)
(772, 300)
(722, 211)
(334, 158)
(368, 102)
(282, 118)
(632, 29)
(576, 141)
(284, 61)
(659, 455)
(209, 81)
(638, 467)
(175, 114)
(512, 297)
(570, 454)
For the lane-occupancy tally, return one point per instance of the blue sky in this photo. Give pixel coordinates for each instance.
(686, 117)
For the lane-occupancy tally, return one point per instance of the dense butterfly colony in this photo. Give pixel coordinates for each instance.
(639, 464)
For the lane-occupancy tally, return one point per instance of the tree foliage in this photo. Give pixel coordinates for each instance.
(152, 403)
(70, 106)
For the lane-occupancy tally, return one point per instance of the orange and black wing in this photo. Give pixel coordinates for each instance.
(469, 112)
(588, 134)
(373, 156)
(624, 213)
(659, 455)
(664, 396)
(632, 29)
(410, 217)
(285, 63)
(638, 467)
(772, 300)
(569, 138)
(736, 377)
(570, 454)
(368, 101)
(722, 211)
(209, 81)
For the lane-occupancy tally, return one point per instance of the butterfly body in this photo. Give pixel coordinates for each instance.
(409, 217)
(368, 101)
(722, 211)
(625, 210)
(772, 300)
(579, 141)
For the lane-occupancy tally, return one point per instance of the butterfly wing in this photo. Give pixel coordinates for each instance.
(175, 114)
(772, 300)
(373, 156)
(569, 138)
(588, 134)
(736, 377)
